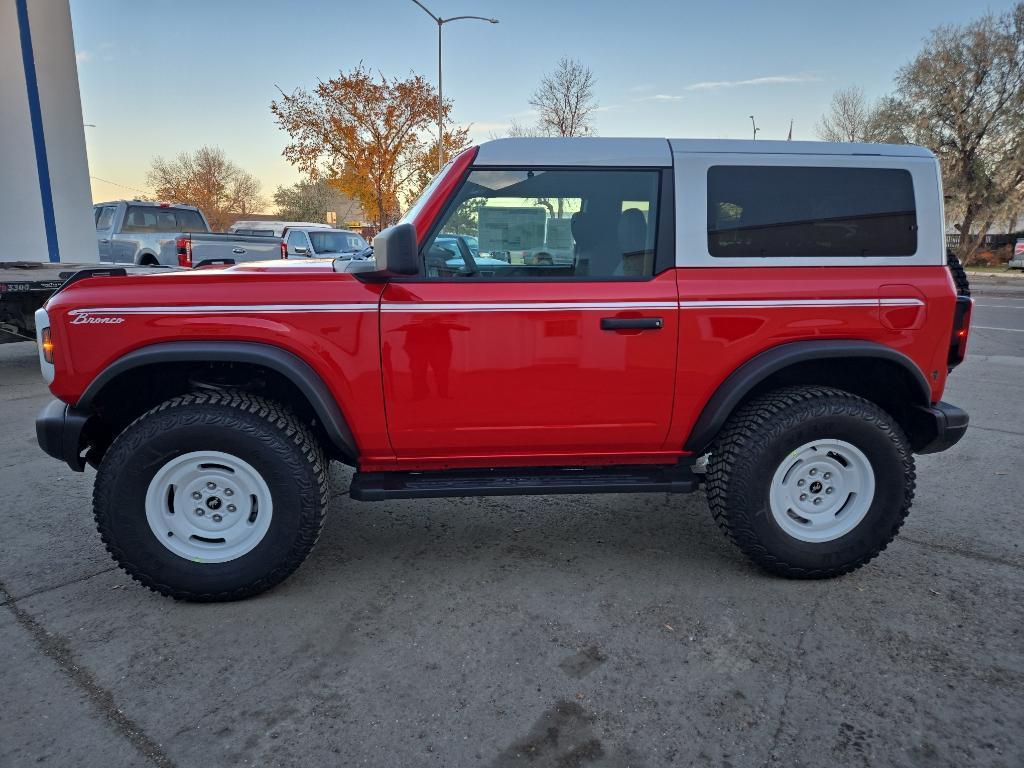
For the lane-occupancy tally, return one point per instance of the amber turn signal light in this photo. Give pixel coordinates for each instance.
(47, 345)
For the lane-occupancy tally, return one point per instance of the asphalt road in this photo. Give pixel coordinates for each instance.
(563, 631)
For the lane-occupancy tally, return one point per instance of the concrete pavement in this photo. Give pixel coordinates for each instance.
(561, 631)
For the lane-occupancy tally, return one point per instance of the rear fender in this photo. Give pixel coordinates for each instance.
(748, 376)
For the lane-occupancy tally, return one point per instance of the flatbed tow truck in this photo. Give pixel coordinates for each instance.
(26, 285)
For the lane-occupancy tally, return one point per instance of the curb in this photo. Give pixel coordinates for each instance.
(996, 275)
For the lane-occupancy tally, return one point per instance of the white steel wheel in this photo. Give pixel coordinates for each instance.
(208, 506)
(822, 490)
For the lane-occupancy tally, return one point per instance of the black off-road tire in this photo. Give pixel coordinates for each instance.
(956, 269)
(759, 437)
(259, 431)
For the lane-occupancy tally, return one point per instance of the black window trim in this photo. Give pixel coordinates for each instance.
(665, 241)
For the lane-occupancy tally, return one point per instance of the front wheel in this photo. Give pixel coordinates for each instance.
(212, 496)
(811, 482)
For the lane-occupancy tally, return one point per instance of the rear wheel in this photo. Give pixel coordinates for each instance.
(956, 269)
(213, 496)
(811, 482)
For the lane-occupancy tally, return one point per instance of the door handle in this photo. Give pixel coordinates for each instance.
(631, 323)
(238, 250)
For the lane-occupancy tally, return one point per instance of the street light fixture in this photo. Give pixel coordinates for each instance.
(440, 98)
(756, 129)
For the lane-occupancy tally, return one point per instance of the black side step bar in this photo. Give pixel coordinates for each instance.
(378, 486)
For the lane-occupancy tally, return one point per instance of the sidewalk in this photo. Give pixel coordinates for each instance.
(1009, 284)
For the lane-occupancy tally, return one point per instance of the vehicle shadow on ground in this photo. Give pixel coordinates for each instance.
(565, 531)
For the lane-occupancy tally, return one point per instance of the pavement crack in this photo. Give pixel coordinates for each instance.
(962, 551)
(996, 429)
(791, 682)
(56, 648)
(11, 599)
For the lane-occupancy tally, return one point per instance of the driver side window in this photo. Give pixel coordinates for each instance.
(297, 239)
(538, 224)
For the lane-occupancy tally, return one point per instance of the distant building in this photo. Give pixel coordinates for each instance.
(343, 212)
(347, 213)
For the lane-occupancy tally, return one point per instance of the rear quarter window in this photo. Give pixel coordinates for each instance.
(143, 218)
(786, 211)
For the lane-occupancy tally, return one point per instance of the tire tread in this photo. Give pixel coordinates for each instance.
(273, 414)
(756, 425)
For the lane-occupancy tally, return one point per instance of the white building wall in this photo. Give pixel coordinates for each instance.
(21, 213)
(24, 205)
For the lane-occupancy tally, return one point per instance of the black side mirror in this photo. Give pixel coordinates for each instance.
(395, 250)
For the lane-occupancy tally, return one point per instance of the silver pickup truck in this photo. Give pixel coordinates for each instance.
(150, 233)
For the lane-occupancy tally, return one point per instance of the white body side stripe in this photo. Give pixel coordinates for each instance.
(530, 306)
(227, 308)
(754, 303)
(524, 306)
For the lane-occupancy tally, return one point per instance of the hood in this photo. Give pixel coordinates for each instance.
(283, 265)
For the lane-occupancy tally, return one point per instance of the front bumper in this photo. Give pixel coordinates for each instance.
(938, 427)
(59, 429)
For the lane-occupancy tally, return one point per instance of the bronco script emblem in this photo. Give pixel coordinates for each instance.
(84, 318)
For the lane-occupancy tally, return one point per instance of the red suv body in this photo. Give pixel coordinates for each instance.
(729, 306)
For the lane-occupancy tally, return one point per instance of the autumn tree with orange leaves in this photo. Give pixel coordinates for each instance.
(370, 135)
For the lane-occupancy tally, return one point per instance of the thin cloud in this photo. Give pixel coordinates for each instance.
(716, 85)
(662, 97)
(102, 52)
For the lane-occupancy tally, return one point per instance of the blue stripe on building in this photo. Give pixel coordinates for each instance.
(36, 113)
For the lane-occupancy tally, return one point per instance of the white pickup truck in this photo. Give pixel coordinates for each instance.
(148, 233)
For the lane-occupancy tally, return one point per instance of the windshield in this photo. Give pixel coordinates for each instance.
(410, 215)
(336, 242)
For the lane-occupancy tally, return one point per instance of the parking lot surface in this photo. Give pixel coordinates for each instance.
(544, 631)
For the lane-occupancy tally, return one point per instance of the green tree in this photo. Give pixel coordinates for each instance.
(305, 201)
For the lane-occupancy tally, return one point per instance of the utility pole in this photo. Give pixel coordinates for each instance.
(440, 96)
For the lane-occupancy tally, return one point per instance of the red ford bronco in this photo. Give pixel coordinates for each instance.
(774, 321)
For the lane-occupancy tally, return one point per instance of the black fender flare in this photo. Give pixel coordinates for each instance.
(289, 365)
(758, 368)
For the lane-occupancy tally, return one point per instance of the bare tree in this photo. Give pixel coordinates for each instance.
(565, 100)
(518, 129)
(207, 179)
(963, 97)
(850, 117)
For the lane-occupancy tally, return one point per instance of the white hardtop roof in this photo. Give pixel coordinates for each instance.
(644, 152)
(765, 147)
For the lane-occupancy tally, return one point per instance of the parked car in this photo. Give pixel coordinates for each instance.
(275, 228)
(150, 233)
(1017, 260)
(303, 242)
(781, 335)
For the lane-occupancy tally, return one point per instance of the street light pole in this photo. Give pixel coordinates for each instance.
(756, 129)
(440, 94)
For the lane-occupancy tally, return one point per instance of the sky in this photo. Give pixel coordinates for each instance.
(163, 77)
